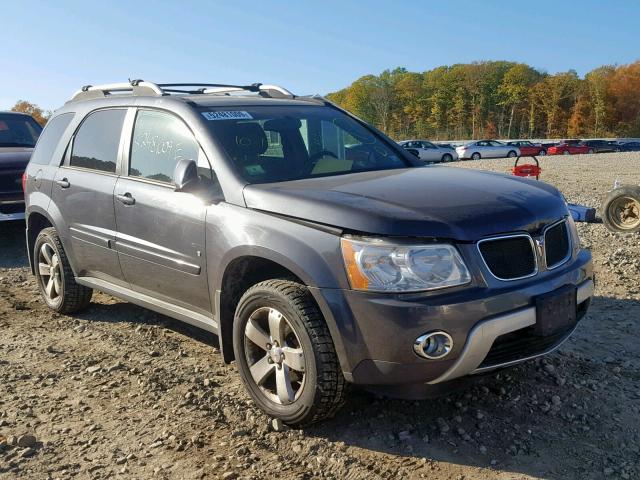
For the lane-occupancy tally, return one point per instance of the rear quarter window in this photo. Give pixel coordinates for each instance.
(50, 138)
(96, 143)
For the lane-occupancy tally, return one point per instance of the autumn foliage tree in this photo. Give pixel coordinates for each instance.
(498, 99)
(41, 116)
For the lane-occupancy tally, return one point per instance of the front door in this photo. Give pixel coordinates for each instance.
(161, 233)
(83, 193)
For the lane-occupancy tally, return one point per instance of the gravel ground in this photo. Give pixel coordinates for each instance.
(118, 391)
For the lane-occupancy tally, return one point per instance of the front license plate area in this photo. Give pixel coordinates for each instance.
(556, 311)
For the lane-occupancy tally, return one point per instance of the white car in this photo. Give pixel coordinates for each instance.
(429, 152)
(487, 149)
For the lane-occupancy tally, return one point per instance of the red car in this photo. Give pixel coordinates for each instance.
(568, 147)
(528, 149)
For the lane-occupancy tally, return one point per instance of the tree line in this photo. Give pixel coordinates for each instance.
(498, 99)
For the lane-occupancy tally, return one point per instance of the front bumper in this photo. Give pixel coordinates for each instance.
(482, 337)
(376, 331)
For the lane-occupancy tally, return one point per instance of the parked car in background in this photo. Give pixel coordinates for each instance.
(601, 146)
(316, 264)
(429, 152)
(629, 147)
(487, 149)
(568, 147)
(18, 135)
(528, 148)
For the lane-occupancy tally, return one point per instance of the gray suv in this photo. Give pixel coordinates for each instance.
(320, 252)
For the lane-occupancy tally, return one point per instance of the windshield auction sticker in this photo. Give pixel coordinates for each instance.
(227, 115)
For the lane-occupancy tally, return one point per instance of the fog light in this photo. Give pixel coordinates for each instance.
(433, 345)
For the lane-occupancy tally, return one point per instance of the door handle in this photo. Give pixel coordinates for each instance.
(126, 199)
(64, 183)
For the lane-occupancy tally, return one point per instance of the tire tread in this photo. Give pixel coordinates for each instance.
(331, 384)
(76, 297)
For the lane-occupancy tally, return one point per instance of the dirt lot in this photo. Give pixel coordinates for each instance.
(119, 391)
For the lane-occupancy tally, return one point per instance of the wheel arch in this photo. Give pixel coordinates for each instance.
(245, 267)
(37, 220)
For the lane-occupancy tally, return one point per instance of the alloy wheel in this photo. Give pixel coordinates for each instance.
(50, 270)
(274, 354)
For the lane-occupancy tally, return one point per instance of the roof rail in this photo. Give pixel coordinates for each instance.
(136, 87)
(272, 91)
(142, 88)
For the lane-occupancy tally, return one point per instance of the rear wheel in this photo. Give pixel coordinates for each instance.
(475, 156)
(621, 209)
(566, 152)
(591, 150)
(285, 354)
(542, 153)
(54, 276)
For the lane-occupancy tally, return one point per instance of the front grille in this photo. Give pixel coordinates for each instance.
(10, 208)
(525, 343)
(11, 181)
(556, 241)
(519, 345)
(509, 258)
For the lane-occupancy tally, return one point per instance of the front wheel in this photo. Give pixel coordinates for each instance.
(447, 158)
(621, 209)
(566, 152)
(591, 150)
(285, 354)
(475, 156)
(54, 275)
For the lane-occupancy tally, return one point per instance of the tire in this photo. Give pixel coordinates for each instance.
(512, 154)
(542, 153)
(57, 285)
(476, 156)
(621, 209)
(308, 387)
(591, 151)
(566, 152)
(447, 158)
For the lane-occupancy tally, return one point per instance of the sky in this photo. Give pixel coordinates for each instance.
(50, 49)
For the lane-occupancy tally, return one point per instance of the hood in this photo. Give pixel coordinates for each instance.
(14, 157)
(438, 202)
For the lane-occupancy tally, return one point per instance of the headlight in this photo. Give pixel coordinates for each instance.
(377, 265)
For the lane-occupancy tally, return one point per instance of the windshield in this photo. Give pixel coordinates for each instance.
(288, 142)
(18, 130)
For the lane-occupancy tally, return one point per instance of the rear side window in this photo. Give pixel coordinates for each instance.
(160, 140)
(96, 143)
(50, 138)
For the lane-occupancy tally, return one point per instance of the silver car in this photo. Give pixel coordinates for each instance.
(429, 152)
(487, 149)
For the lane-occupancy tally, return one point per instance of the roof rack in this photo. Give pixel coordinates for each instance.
(142, 88)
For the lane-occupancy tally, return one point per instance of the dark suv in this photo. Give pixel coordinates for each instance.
(319, 251)
(18, 135)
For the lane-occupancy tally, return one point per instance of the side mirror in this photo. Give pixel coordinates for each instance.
(185, 176)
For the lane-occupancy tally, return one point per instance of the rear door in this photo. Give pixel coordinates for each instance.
(83, 193)
(431, 152)
(161, 232)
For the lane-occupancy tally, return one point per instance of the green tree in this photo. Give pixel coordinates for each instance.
(41, 116)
